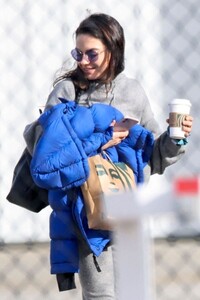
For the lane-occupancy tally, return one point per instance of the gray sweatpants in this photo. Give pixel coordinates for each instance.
(96, 285)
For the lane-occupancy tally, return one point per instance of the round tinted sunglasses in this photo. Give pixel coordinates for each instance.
(91, 55)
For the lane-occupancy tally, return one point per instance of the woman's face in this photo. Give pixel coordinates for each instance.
(92, 70)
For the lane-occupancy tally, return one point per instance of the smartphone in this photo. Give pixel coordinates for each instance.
(125, 124)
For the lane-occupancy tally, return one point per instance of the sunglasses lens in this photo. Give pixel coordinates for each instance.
(92, 55)
(77, 55)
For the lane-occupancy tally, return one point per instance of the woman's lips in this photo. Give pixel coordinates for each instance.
(88, 70)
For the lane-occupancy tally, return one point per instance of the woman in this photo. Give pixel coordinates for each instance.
(98, 78)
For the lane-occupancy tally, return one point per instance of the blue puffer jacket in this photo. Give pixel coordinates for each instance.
(72, 133)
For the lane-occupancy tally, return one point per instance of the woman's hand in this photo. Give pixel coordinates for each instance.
(118, 136)
(186, 125)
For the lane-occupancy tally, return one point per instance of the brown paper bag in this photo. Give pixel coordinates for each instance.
(105, 178)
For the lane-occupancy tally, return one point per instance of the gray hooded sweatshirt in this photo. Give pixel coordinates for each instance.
(127, 95)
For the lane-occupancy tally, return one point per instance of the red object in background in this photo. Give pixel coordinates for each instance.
(187, 186)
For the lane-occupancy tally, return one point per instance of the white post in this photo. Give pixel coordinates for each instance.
(133, 253)
(132, 261)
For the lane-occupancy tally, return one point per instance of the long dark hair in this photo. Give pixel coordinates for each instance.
(109, 31)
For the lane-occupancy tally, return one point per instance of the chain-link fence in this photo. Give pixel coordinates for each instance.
(24, 271)
(177, 268)
(162, 52)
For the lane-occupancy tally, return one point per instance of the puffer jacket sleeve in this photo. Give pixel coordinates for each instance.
(59, 160)
(92, 144)
(136, 150)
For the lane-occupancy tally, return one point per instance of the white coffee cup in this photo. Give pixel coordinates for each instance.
(178, 110)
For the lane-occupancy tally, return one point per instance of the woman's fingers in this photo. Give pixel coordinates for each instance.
(187, 125)
(120, 134)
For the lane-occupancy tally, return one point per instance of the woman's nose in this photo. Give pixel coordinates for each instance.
(85, 59)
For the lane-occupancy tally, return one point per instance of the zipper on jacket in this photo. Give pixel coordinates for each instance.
(96, 263)
(81, 237)
(78, 232)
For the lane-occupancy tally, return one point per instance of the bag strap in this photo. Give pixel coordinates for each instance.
(105, 154)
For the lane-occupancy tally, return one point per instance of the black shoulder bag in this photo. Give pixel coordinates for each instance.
(24, 192)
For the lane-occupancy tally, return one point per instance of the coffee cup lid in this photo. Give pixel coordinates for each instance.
(180, 101)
